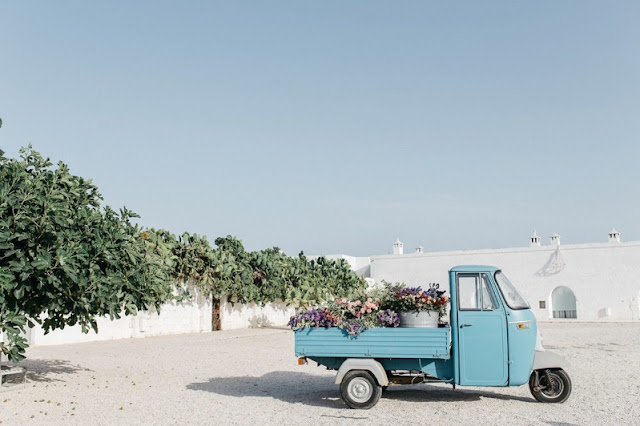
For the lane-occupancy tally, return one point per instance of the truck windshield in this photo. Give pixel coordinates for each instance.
(509, 292)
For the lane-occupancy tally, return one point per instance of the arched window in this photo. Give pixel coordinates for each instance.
(563, 303)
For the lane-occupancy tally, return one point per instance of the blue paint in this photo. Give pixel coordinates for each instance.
(475, 268)
(442, 369)
(453, 318)
(482, 334)
(374, 343)
(483, 349)
(522, 344)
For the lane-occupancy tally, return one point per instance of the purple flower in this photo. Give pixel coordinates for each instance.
(388, 318)
(318, 317)
(433, 290)
(412, 290)
(354, 327)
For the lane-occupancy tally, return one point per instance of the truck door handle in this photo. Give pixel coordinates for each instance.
(465, 325)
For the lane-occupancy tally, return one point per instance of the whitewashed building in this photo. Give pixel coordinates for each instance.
(585, 281)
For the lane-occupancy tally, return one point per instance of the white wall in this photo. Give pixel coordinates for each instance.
(601, 275)
(234, 316)
(174, 318)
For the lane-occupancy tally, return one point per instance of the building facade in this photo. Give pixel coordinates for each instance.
(579, 281)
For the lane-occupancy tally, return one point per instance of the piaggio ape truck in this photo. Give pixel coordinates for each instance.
(492, 340)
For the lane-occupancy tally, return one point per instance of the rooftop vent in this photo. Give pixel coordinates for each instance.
(614, 236)
(398, 247)
(534, 241)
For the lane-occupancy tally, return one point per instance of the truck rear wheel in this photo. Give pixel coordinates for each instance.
(552, 385)
(359, 389)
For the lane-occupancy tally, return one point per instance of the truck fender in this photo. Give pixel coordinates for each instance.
(370, 365)
(548, 359)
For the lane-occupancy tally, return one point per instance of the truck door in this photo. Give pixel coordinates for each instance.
(482, 332)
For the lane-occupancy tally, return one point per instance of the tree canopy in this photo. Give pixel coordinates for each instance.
(261, 276)
(65, 259)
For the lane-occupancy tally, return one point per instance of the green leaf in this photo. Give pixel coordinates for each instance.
(18, 293)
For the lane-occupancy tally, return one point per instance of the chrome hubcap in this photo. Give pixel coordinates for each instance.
(360, 390)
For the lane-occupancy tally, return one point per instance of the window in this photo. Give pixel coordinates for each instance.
(467, 292)
(487, 300)
(510, 293)
(543, 304)
(474, 293)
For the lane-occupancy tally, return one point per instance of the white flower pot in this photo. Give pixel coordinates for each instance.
(423, 319)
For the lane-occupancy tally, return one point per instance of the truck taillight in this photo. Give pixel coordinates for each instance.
(302, 361)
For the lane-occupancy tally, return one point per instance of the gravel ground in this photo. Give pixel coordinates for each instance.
(251, 377)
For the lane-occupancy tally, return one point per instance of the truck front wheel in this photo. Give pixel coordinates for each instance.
(359, 389)
(552, 385)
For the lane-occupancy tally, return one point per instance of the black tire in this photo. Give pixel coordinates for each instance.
(557, 391)
(360, 390)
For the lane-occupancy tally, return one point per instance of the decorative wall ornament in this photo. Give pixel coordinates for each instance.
(554, 265)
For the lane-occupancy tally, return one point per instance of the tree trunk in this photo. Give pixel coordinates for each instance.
(215, 315)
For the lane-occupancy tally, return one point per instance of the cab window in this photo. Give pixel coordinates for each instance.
(474, 293)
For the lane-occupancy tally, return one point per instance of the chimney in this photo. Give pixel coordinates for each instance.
(614, 236)
(534, 241)
(397, 247)
(555, 239)
(419, 249)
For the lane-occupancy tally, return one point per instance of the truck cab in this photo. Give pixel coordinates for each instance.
(494, 331)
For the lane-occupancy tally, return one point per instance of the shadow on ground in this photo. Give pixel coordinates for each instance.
(49, 370)
(308, 389)
(430, 393)
(286, 386)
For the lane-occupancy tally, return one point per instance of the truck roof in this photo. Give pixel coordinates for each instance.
(474, 268)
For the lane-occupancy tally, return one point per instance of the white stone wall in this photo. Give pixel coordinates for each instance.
(174, 318)
(604, 277)
(234, 316)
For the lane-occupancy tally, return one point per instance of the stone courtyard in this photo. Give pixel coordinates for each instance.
(251, 377)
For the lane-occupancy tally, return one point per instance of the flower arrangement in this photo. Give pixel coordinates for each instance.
(416, 299)
(355, 316)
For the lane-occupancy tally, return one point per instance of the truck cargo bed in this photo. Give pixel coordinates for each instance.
(374, 343)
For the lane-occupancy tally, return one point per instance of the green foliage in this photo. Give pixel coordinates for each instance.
(14, 328)
(63, 259)
(268, 275)
(257, 276)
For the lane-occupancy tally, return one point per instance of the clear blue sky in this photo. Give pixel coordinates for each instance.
(335, 127)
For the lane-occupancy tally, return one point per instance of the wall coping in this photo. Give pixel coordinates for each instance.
(549, 248)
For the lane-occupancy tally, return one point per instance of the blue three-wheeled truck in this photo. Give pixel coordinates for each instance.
(492, 340)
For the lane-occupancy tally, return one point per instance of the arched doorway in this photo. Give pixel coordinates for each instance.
(563, 303)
